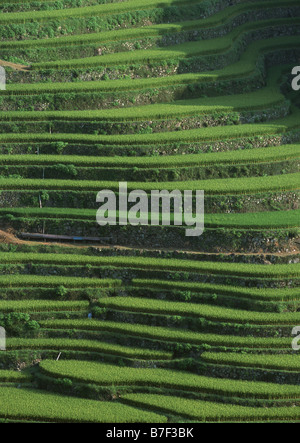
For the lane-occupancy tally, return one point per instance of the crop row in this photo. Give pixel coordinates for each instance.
(221, 18)
(48, 281)
(258, 220)
(284, 164)
(242, 157)
(238, 186)
(88, 11)
(34, 405)
(147, 263)
(276, 362)
(42, 305)
(103, 374)
(245, 66)
(279, 126)
(196, 172)
(168, 334)
(82, 345)
(226, 290)
(9, 376)
(15, 5)
(262, 99)
(204, 411)
(177, 52)
(213, 313)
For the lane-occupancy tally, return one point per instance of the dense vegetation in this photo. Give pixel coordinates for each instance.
(146, 324)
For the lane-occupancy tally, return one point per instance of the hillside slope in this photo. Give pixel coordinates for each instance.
(174, 95)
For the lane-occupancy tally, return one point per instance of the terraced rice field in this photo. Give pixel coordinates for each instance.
(145, 324)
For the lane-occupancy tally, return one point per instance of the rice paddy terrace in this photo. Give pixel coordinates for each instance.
(153, 326)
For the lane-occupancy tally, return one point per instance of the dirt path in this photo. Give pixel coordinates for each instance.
(9, 238)
(14, 66)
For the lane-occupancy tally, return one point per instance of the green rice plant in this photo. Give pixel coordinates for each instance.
(242, 221)
(14, 5)
(88, 11)
(279, 126)
(283, 362)
(239, 186)
(104, 374)
(215, 20)
(9, 376)
(176, 52)
(147, 263)
(61, 344)
(31, 404)
(209, 312)
(244, 67)
(258, 220)
(262, 99)
(169, 334)
(57, 213)
(55, 281)
(42, 305)
(248, 156)
(215, 289)
(205, 411)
